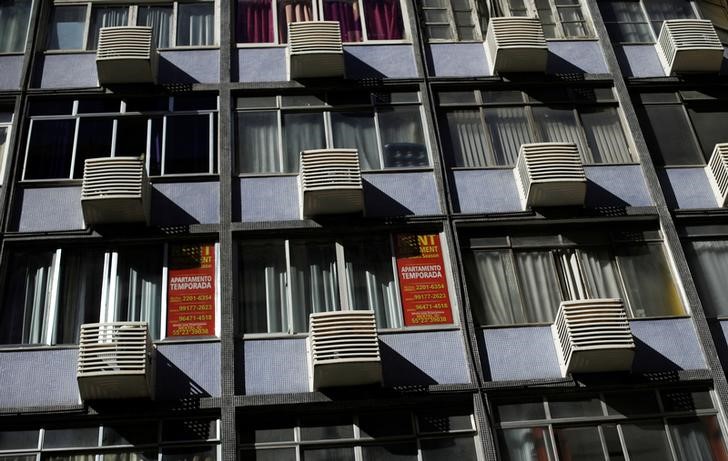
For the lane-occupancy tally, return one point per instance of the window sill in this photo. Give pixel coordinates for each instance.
(510, 167)
(573, 39)
(545, 324)
(47, 347)
(14, 53)
(380, 332)
(177, 48)
(285, 45)
(170, 178)
(363, 172)
(677, 167)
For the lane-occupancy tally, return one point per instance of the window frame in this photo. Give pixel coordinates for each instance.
(647, 20)
(25, 35)
(7, 125)
(531, 9)
(479, 18)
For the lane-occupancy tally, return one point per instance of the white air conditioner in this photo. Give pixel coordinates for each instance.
(593, 335)
(115, 189)
(717, 171)
(689, 45)
(315, 50)
(115, 361)
(126, 55)
(516, 44)
(550, 174)
(343, 349)
(330, 182)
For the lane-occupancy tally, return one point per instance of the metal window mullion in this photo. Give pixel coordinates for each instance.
(164, 144)
(52, 306)
(75, 146)
(27, 147)
(512, 266)
(173, 25)
(398, 315)
(114, 129)
(362, 21)
(670, 443)
(648, 19)
(281, 162)
(211, 143)
(581, 133)
(531, 121)
(341, 276)
(378, 133)
(490, 155)
(217, 304)
(148, 155)
(626, 298)
(328, 129)
(289, 288)
(165, 277)
(87, 28)
(104, 313)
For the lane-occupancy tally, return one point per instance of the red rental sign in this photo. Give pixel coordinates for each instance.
(422, 281)
(191, 290)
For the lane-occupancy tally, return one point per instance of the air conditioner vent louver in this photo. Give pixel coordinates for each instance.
(516, 44)
(315, 49)
(343, 349)
(115, 361)
(593, 335)
(689, 45)
(126, 55)
(717, 171)
(115, 189)
(330, 182)
(550, 174)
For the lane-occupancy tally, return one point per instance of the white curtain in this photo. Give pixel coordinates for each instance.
(14, 17)
(79, 293)
(600, 273)
(258, 150)
(301, 131)
(709, 263)
(314, 283)
(195, 24)
(558, 125)
(37, 276)
(139, 287)
(159, 18)
(263, 288)
(605, 136)
(106, 17)
(467, 136)
(356, 130)
(539, 285)
(508, 130)
(495, 299)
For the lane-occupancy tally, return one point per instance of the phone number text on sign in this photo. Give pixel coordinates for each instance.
(191, 291)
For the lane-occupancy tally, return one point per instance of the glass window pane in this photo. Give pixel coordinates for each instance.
(669, 136)
(493, 293)
(355, 130)
(440, 32)
(384, 20)
(262, 288)
(467, 142)
(579, 443)
(67, 28)
(403, 141)
(14, 20)
(261, 429)
(682, 400)
(325, 427)
(328, 454)
(600, 271)
(127, 456)
(646, 441)
(273, 454)
(139, 287)
(50, 149)
(258, 149)
(135, 433)
(614, 445)
(73, 437)
(255, 21)
(539, 285)
(71, 457)
(698, 438)
(448, 449)
(159, 18)
(131, 136)
(660, 10)
(301, 131)
(385, 424)
(709, 264)
(175, 430)
(314, 284)
(106, 16)
(94, 141)
(558, 125)
(648, 281)
(187, 144)
(575, 407)
(532, 444)
(79, 293)
(508, 129)
(406, 451)
(631, 403)
(190, 454)
(604, 135)
(348, 15)
(709, 123)
(155, 147)
(445, 421)
(195, 24)
(521, 410)
(19, 439)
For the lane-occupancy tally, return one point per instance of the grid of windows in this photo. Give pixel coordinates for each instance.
(670, 425)
(386, 129)
(486, 128)
(559, 18)
(77, 27)
(177, 135)
(460, 20)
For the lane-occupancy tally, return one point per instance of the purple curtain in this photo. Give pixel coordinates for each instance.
(384, 19)
(255, 21)
(348, 15)
(292, 11)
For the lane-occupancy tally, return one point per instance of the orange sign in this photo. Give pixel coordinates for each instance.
(191, 290)
(422, 281)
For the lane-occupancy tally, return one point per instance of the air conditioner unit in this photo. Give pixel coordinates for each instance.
(516, 44)
(689, 45)
(717, 171)
(115, 361)
(126, 55)
(115, 190)
(593, 335)
(343, 349)
(330, 182)
(550, 174)
(315, 50)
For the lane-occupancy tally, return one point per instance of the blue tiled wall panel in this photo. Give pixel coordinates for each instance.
(400, 193)
(423, 358)
(520, 353)
(10, 69)
(457, 60)
(185, 203)
(49, 209)
(666, 344)
(38, 378)
(272, 198)
(188, 370)
(68, 70)
(616, 185)
(275, 366)
(379, 61)
(639, 61)
(687, 188)
(266, 64)
(579, 56)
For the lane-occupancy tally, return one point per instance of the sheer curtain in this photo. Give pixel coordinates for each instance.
(159, 18)
(67, 28)
(139, 287)
(195, 24)
(403, 142)
(356, 130)
(494, 299)
(25, 304)
(314, 284)
(539, 285)
(709, 263)
(255, 21)
(258, 150)
(349, 17)
(14, 18)
(558, 125)
(79, 298)
(600, 272)
(263, 288)
(698, 439)
(370, 281)
(106, 17)
(530, 444)
(604, 134)
(301, 131)
(384, 19)
(467, 138)
(292, 11)
(508, 129)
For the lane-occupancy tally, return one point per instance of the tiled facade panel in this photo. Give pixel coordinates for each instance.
(185, 203)
(669, 344)
(274, 366)
(39, 378)
(642, 61)
(12, 69)
(49, 209)
(188, 370)
(687, 188)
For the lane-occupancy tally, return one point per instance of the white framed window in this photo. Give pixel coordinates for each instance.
(177, 135)
(176, 24)
(455, 20)
(634, 21)
(266, 21)
(51, 293)
(559, 18)
(6, 123)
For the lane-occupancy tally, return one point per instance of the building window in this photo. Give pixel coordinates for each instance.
(717, 13)
(266, 21)
(486, 128)
(640, 22)
(668, 425)
(559, 18)
(50, 294)
(421, 436)
(455, 20)
(170, 439)
(14, 20)
(177, 135)
(386, 129)
(523, 278)
(175, 24)
(683, 128)
(6, 119)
